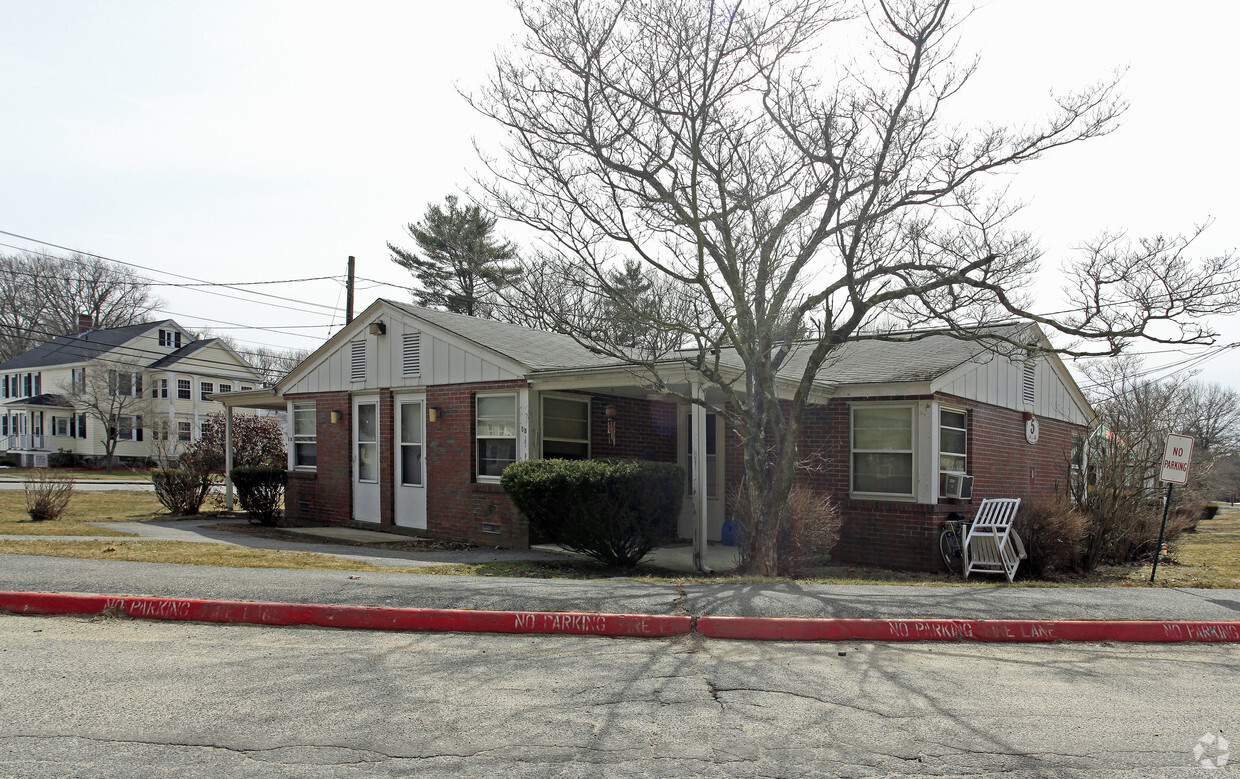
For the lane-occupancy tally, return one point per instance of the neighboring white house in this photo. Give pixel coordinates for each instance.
(160, 375)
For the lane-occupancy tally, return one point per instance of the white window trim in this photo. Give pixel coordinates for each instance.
(293, 407)
(515, 437)
(542, 422)
(203, 392)
(189, 387)
(909, 497)
(938, 437)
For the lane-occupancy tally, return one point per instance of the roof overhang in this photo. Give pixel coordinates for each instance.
(265, 397)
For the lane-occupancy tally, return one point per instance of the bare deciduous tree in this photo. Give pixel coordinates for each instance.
(41, 297)
(111, 393)
(785, 167)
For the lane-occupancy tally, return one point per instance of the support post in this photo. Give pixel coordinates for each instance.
(348, 293)
(228, 458)
(1162, 529)
(697, 462)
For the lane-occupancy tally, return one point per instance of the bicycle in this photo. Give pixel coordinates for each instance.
(952, 533)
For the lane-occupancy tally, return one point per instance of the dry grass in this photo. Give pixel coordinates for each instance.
(119, 474)
(100, 506)
(190, 553)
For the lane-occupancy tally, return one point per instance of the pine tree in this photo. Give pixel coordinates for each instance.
(461, 265)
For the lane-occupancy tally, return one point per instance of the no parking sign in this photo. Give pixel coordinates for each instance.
(1176, 458)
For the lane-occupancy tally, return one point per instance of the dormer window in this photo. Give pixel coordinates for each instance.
(170, 338)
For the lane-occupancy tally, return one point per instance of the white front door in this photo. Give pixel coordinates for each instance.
(366, 459)
(410, 441)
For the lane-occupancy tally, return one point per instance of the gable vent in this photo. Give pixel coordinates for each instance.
(357, 361)
(411, 354)
(1028, 383)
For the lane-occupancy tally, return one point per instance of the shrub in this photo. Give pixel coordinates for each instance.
(1053, 532)
(48, 494)
(260, 492)
(613, 511)
(257, 442)
(63, 458)
(808, 527)
(181, 490)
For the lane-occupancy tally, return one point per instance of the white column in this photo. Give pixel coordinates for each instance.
(698, 465)
(228, 459)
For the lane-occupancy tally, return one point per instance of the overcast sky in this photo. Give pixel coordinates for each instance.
(257, 141)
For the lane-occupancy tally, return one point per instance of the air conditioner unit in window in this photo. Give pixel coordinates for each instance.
(957, 485)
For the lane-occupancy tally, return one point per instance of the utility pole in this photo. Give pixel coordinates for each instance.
(348, 305)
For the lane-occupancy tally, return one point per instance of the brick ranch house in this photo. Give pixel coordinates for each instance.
(405, 419)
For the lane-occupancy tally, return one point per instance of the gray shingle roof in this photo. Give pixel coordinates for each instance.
(909, 357)
(46, 399)
(536, 349)
(83, 347)
(183, 352)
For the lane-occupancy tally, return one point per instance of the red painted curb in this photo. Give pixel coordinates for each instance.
(1007, 630)
(638, 625)
(363, 617)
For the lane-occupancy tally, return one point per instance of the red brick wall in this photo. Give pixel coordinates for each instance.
(459, 508)
(645, 429)
(328, 490)
(903, 535)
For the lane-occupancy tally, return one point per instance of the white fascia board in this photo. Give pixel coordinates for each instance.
(888, 389)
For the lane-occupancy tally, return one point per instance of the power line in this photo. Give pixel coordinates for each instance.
(166, 273)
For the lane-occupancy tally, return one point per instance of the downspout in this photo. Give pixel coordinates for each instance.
(698, 464)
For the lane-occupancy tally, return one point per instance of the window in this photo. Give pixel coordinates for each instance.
(411, 444)
(225, 388)
(411, 354)
(304, 455)
(163, 389)
(206, 388)
(565, 428)
(184, 431)
(368, 442)
(245, 388)
(496, 434)
(882, 449)
(953, 440)
(129, 428)
(60, 426)
(79, 380)
(183, 390)
(202, 429)
(357, 361)
(170, 338)
(125, 384)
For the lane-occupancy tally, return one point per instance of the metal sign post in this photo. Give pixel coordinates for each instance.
(1177, 456)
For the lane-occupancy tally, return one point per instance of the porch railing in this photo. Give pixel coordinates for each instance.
(24, 443)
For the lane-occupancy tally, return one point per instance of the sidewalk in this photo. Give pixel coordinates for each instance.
(954, 612)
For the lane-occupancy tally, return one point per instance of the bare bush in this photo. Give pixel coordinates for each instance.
(48, 494)
(808, 528)
(1053, 532)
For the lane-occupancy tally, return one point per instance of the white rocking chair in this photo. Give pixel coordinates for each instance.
(991, 546)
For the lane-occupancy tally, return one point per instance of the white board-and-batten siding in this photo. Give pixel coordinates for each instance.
(999, 382)
(441, 358)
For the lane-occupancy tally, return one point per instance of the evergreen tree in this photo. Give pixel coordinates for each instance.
(462, 265)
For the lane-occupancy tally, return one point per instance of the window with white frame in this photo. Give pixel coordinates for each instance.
(225, 387)
(185, 431)
(184, 389)
(61, 426)
(565, 428)
(125, 384)
(78, 380)
(882, 449)
(206, 388)
(953, 440)
(163, 389)
(496, 434)
(128, 428)
(304, 435)
(203, 427)
(170, 338)
(245, 388)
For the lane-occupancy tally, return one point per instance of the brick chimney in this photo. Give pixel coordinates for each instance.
(85, 322)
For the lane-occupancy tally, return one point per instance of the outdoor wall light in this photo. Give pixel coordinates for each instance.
(378, 328)
(335, 417)
(432, 414)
